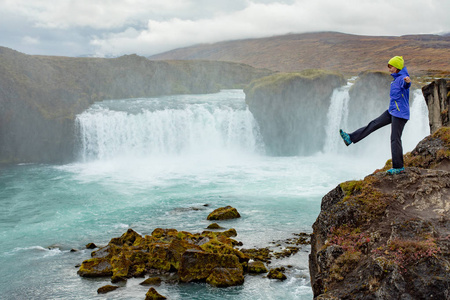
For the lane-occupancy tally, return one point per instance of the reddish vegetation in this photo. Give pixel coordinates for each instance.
(349, 54)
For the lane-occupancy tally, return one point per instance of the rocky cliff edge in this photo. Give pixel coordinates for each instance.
(388, 237)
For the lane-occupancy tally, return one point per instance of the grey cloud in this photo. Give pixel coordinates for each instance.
(115, 28)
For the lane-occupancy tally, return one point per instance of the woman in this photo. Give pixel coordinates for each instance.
(397, 115)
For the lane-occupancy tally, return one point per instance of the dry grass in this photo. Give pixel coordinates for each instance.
(349, 54)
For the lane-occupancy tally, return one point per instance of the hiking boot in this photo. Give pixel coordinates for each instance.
(345, 137)
(395, 171)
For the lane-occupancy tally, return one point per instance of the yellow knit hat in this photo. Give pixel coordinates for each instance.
(397, 61)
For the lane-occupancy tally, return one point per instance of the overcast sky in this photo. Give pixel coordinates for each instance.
(145, 27)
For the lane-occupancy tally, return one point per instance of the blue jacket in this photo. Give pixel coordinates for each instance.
(399, 104)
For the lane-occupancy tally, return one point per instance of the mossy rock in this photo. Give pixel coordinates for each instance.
(91, 246)
(160, 232)
(95, 267)
(151, 281)
(214, 226)
(277, 273)
(229, 233)
(261, 254)
(152, 294)
(256, 267)
(192, 256)
(106, 252)
(128, 238)
(106, 289)
(224, 213)
(222, 246)
(225, 277)
(198, 265)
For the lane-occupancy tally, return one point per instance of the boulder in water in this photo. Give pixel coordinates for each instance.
(225, 277)
(168, 250)
(277, 273)
(151, 281)
(214, 226)
(96, 267)
(256, 267)
(217, 269)
(106, 289)
(91, 246)
(224, 213)
(152, 294)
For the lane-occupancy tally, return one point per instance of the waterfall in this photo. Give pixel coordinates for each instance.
(418, 126)
(337, 118)
(415, 130)
(218, 125)
(175, 125)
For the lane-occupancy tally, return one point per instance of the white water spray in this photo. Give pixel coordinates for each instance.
(337, 118)
(109, 130)
(376, 146)
(418, 126)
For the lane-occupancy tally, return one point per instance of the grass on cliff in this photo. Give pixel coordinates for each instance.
(276, 83)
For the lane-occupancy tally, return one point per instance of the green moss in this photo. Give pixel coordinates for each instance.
(256, 267)
(225, 277)
(229, 233)
(277, 273)
(371, 201)
(444, 134)
(350, 187)
(224, 213)
(106, 289)
(214, 226)
(152, 281)
(96, 267)
(431, 159)
(152, 294)
(344, 264)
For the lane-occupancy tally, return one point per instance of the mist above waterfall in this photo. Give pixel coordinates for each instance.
(217, 126)
(173, 125)
(377, 145)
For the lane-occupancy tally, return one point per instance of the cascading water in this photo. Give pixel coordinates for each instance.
(190, 125)
(377, 144)
(418, 126)
(337, 118)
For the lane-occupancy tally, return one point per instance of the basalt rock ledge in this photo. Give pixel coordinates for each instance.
(387, 237)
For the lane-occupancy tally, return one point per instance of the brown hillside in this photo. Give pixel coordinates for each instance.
(349, 54)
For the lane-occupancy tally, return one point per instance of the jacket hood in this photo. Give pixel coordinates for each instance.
(403, 72)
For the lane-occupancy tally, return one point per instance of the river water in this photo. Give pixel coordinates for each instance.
(168, 162)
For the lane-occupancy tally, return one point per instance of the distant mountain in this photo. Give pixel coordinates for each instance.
(349, 54)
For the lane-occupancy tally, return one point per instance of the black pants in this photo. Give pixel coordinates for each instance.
(396, 135)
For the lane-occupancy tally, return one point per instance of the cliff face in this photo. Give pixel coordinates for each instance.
(40, 96)
(388, 237)
(437, 96)
(291, 109)
(369, 97)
